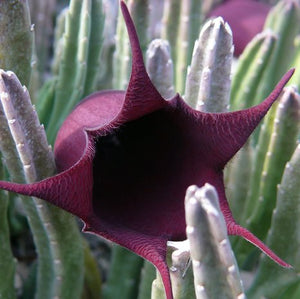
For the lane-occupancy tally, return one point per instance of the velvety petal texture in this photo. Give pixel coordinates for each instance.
(125, 160)
(245, 17)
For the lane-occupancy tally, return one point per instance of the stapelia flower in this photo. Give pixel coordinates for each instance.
(245, 17)
(125, 160)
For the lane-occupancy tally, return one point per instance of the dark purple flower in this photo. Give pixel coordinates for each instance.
(125, 160)
(245, 17)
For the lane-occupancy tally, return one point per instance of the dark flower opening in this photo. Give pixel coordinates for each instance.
(141, 172)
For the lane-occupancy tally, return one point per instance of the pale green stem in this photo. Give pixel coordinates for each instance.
(147, 276)
(79, 59)
(124, 275)
(170, 25)
(282, 144)
(7, 261)
(238, 173)
(158, 290)
(271, 280)
(283, 20)
(55, 233)
(189, 28)
(208, 79)
(215, 270)
(160, 67)
(16, 35)
(181, 271)
(252, 65)
(42, 12)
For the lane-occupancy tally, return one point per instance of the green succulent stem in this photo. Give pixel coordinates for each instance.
(272, 281)
(55, 233)
(283, 20)
(208, 78)
(188, 31)
(16, 33)
(181, 271)
(282, 144)
(7, 261)
(212, 257)
(79, 60)
(252, 65)
(123, 281)
(160, 67)
(158, 290)
(147, 276)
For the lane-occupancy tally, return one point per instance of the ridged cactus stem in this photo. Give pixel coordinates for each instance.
(82, 56)
(148, 274)
(170, 25)
(122, 59)
(92, 279)
(11, 152)
(34, 161)
(16, 38)
(283, 237)
(158, 290)
(189, 27)
(250, 70)
(238, 174)
(259, 158)
(208, 79)
(124, 274)
(296, 61)
(181, 271)
(94, 47)
(140, 13)
(59, 40)
(42, 12)
(282, 144)
(79, 59)
(160, 67)
(106, 74)
(121, 65)
(283, 20)
(7, 261)
(66, 78)
(215, 270)
(277, 142)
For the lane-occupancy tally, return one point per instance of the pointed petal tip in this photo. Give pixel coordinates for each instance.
(124, 9)
(290, 73)
(24, 189)
(237, 230)
(285, 78)
(264, 106)
(283, 81)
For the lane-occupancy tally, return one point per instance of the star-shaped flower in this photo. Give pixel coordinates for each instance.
(126, 158)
